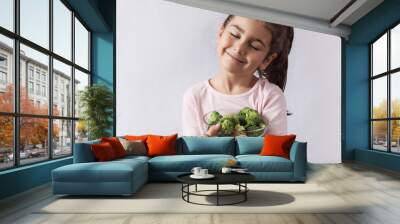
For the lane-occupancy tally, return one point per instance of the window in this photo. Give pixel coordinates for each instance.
(30, 87)
(7, 14)
(44, 91)
(35, 21)
(62, 29)
(3, 72)
(37, 74)
(385, 91)
(3, 78)
(54, 126)
(38, 89)
(81, 45)
(43, 77)
(3, 61)
(30, 72)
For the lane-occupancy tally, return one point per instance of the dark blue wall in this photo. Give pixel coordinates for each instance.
(99, 15)
(356, 84)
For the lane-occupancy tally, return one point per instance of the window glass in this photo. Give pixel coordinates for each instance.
(81, 131)
(6, 142)
(379, 135)
(39, 62)
(395, 136)
(62, 137)
(6, 74)
(62, 91)
(81, 45)
(33, 140)
(81, 82)
(395, 47)
(7, 14)
(62, 29)
(379, 55)
(34, 21)
(379, 97)
(395, 95)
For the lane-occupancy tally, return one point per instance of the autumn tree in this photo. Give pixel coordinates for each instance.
(380, 127)
(33, 131)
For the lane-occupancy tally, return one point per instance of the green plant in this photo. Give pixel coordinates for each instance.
(96, 102)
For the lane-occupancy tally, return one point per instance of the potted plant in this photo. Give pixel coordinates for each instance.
(96, 102)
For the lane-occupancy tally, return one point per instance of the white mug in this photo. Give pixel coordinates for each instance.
(196, 170)
(226, 170)
(203, 172)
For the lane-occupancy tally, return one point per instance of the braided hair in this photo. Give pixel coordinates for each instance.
(281, 43)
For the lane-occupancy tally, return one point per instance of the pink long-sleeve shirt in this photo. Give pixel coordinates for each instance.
(265, 97)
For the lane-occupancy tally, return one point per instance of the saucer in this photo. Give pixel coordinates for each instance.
(208, 176)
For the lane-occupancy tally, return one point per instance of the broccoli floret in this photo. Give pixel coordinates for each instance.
(228, 124)
(249, 117)
(214, 118)
(239, 130)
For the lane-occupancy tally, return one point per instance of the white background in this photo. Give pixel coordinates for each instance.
(163, 48)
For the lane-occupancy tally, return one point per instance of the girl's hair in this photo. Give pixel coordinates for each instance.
(281, 43)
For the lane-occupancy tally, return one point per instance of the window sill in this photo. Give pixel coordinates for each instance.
(25, 167)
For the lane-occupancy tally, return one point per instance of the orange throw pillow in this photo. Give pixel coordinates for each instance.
(116, 145)
(103, 151)
(161, 145)
(136, 137)
(275, 145)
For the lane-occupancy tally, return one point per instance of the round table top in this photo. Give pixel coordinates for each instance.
(220, 178)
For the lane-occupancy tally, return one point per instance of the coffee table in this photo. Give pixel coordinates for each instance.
(238, 179)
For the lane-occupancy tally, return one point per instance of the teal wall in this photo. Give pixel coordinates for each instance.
(103, 63)
(356, 83)
(99, 15)
(24, 178)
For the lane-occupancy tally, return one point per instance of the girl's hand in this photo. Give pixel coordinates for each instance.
(213, 130)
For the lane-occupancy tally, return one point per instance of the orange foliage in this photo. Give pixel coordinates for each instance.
(33, 130)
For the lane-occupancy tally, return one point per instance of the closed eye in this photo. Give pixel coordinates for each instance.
(234, 35)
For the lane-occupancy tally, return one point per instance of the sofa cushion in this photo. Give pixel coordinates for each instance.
(134, 147)
(195, 145)
(111, 171)
(116, 145)
(257, 163)
(159, 145)
(277, 145)
(83, 152)
(103, 152)
(249, 145)
(185, 163)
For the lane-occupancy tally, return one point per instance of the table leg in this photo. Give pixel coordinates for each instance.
(217, 194)
(245, 193)
(196, 188)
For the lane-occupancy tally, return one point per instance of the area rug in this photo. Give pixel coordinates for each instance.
(167, 198)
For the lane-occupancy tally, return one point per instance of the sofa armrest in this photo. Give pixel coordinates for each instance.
(298, 155)
(83, 152)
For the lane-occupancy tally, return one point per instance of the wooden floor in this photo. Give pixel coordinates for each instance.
(378, 188)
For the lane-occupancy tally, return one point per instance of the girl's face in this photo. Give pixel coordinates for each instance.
(243, 46)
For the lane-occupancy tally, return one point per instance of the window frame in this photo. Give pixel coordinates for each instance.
(388, 74)
(15, 72)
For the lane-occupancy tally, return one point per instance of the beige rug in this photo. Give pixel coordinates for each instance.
(166, 198)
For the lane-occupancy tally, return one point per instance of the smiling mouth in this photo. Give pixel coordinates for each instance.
(240, 61)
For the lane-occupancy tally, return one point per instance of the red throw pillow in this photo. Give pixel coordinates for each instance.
(275, 145)
(161, 145)
(103, 151)
(116, 145)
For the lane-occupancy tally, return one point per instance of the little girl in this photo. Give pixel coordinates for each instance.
(245, 47)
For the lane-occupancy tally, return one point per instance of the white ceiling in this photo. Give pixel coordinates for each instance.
(315, 15)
